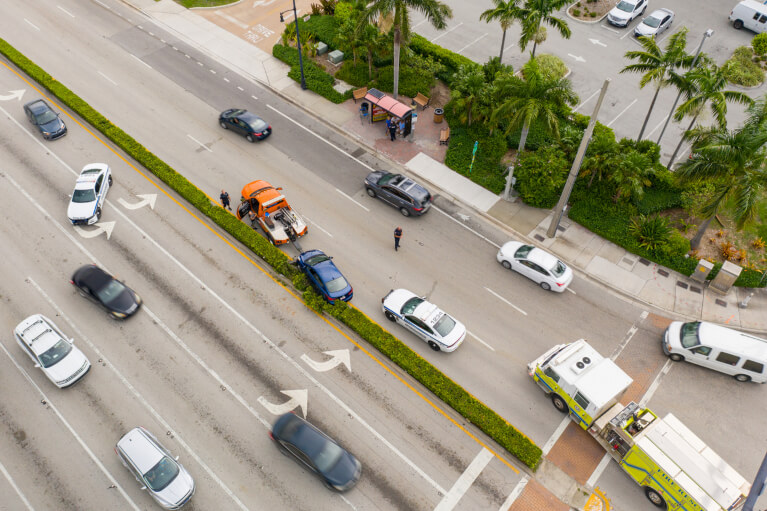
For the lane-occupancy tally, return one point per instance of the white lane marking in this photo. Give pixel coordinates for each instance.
(65, 11)
(657, 126)
(299, 398)
(586, 100)
(187, 56)
(32, 24)
(598, 471)
(628, 31)
(417, 24)
(213, 71)
(226, 79)
(151, 33)
(474, 41)
(317, 226)
(577, 58)
(162, 41)
(480, 340)
(174, 48)
(571, 290)
(447, 32)
(240, 88)
(200, 63)
(135, 57)
(107, 78)
(102, 4)
(464, 482)
(82, 443)
(504, 300)
(354, 201)
(254, 97)
(146, 200)
(337, 357)
(331, 144)
(629, 334)
(622, 112)
(200, 143)
(598, 42)
(610, 29)
(555, 436)
(435, 208)
(231, 19)
(514, 493)
(16, 488)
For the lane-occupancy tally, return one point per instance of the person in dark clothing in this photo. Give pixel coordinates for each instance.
(225, 200)
(397, 236)
(392, 129)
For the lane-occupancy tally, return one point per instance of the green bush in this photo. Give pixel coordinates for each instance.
(451, 60)
(488, 170)
(540, 176)
(323, 28)
(355, 75)
(537, 136)
(650, 231)
(551, 66)
(411, 81)
(676, 245)
(741, 70)
(317, 80)
(759, 44)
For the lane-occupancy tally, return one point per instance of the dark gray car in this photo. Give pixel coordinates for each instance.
(45, 119)
(400, 191)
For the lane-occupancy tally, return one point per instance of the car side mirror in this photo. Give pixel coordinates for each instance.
(72, 340)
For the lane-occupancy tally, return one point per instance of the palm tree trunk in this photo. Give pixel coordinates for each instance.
(647, 117)
(695, 241)
(503, 42)
(679, 145)
(535, 44)
(370, 65)
(397, 41)
(522, 140)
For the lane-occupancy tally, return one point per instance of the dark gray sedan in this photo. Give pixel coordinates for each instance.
(400, 191)
(45, 119)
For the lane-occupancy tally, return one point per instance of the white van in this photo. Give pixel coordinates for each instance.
(750, 14)
(716, 347)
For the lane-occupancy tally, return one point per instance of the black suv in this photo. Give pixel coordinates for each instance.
(401, 192)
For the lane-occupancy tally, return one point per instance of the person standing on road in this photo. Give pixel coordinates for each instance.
(397, 236)
(225, 200)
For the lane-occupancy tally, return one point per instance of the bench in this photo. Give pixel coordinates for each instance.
(444, 136)
(421, 100)
(359, 93)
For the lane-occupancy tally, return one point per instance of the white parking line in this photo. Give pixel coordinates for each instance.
(317, 226)
(447, 32)
(509, 46)
(199, 143)
(614, 31)
(474, 41)
(15, 488)
(586, 100)
(82, 443)
(354, 201)
(628, 32)
(135, 57)
(465, 481)
(658, 126)
(418, 24)
(622, 112)
(480, 340)
(504, 300)
(254, 97)
(107, 78)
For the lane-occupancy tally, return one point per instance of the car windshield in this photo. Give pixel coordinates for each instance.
(444, 325)
(522, 251)
(559, 269)
(390, 179)
(315, 259)
(45, 117)
(234, 113)
(625, 6)
(162, 474)
(327, 457)
(411, 304)
(55, 353)
(688, 335)
(652, 22)
(111, 291)
(336, 284)
(87, 195)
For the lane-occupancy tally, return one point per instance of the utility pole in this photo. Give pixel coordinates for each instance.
(560, 207)
(757, 488)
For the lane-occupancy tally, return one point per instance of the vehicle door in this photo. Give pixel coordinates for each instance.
(419, 328)
(699, 355)
(388, 194)
(29, 352)
(530, 270)
(30, 116)
(315, 279)
(641, 6)
(758, 23)
(404, 200)
(724, 362)
(300, 457)
(238, 126)
(664, 24)
(754, 369)
(97, 188)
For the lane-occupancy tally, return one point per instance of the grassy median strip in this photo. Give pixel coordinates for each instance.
(476, 412)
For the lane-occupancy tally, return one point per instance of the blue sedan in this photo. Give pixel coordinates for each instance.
(324, 276)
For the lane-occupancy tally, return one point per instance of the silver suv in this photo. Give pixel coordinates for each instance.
(401, 192)
(153, 466)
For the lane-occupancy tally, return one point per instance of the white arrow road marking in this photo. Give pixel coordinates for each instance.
(577, 58)
(100, 227)
(298, 397)
(338, 357)
(598, 42)
(14, 94)
(149, 198)
(463, 217)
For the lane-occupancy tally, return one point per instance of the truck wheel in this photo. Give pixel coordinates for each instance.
(676, 357)
(433, 345)
(743, 378)
(655, 497)
(389, 316)
(559, 403)
(371, 192)
(737, 24)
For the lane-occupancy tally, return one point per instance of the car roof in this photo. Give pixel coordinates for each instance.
(141, 449)
(38, 333)
(303, 434)
(93, 276)
(542, 258)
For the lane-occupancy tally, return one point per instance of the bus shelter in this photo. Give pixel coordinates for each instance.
(382, 106)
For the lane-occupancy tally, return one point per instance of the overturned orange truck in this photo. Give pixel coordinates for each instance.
(264, 206)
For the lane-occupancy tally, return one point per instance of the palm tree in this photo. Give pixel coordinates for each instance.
(631, 175)
(537, 98)
(370, 39)
(505, 12)
(468, 89)
(532, 17)
(659, 67)
(434, 11)
(705, 86)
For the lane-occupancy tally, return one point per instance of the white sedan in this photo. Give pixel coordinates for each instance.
(424, 319)
(90, 194)
(536, 264)
(657, 22)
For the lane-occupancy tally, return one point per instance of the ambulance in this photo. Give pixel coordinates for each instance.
(676, 469)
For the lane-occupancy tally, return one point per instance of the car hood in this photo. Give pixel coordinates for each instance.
(616, 13)
(53, 126)
(67, 366)
(397, 298)
(179, 488)
(643, 29)
(344, 473)
(81, 209)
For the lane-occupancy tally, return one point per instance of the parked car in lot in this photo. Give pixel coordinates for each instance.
(45, 119)
(626, 11)
(89, 194)
(316, 451)
(51, 351)
(656, 23)
(155, 468)
(424, 319)
(401, 192)
(100, 287)
(535, 264)
(324, 276)
(247, 124)
(751, 14)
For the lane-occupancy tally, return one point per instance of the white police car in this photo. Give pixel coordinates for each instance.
(424, 319)
(90, 193)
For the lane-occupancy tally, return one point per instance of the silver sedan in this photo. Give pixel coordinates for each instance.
(655, 23)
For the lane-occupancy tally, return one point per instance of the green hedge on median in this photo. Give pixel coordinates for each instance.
(446, 389)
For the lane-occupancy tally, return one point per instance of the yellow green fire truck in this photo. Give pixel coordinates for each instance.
(677, 470)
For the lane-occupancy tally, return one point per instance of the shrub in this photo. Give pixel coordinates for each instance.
(676, 245)
(411, 81)
(741, 70)
(759, 44)
(487, 171)
(355, 75)
(576, 12)
(451, 60)
(651, 232)
(537, 136)
(551, 66)
(540, 176)
(324, 28)
(317, 80)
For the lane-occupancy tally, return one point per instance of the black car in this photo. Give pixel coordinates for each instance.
(401, 192)
(249, 125)
(45, 119)
(97, 285)
(314, 450)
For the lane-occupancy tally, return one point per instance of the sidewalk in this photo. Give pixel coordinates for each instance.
(591, 257)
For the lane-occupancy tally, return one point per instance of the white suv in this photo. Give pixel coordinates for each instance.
(625, 12)
(90, 194)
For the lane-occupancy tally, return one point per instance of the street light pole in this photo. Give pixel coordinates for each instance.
(707, 33)
(298, 43)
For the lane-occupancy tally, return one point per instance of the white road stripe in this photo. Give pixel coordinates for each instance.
(464, 482)
(66, 11)
(200, 63)
(447, 32)
(610, 29)
(135, 57)
(354, 201)
(107, 78)
(509, 46)
(317, 226)
(82, 443)
(598, 471)
(474, 41)
(657, 126)
(480, 340)
(622, 112)
(32, 24)
(631, 331)
(504, 300)
(555, 436)
(514, 494)
(240, 88)
(254, 97)
(16, 488)
(418, 24)
(226, 79)
(435, 208)
(200, 143)
(586, 100)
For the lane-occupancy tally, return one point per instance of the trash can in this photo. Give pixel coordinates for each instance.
(439, 114)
